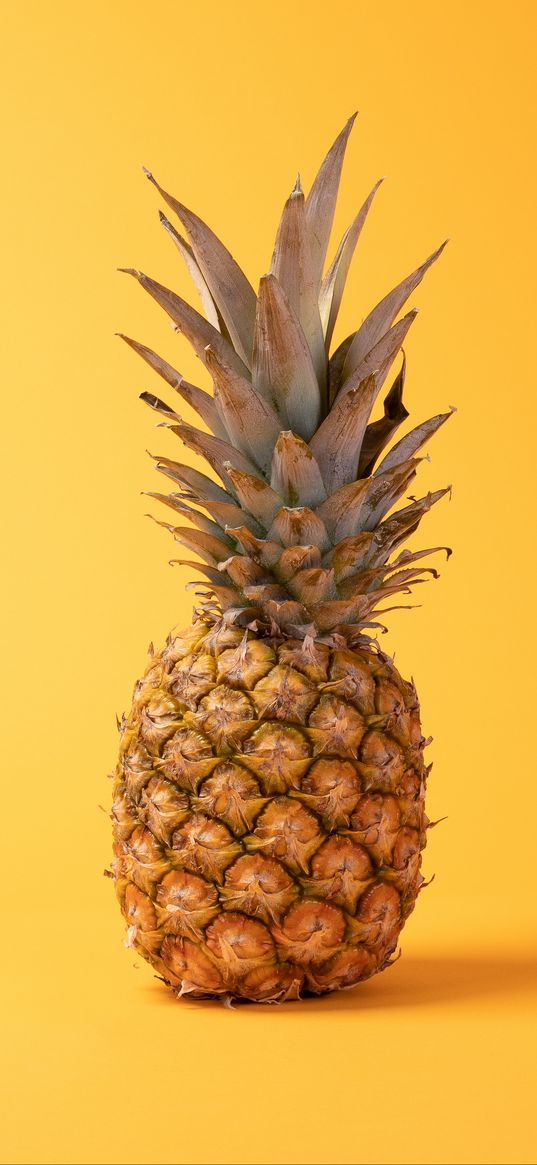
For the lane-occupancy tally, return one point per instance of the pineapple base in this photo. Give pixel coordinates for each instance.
(268, 813)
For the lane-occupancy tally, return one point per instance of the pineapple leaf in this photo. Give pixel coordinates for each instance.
(208, 546)
(218, 453)
(296, 477)
(211, 549)
(292, 618)
(178, 505)
(198, 400)
(159, 406)
(251, 422)
(337, 512)
(335, 368)
(321, 200)
(330, 614)
(378, 433)
(412, 576)
(413, 441)
(403, 523)
(254, 495)
(190, 478)
(198, 331)
(228, 285)
(227, 514)
(189, 258)
(361, 582)
(283, 371)
(244, 571)
(169, 374)
(313, 585)
(299, 527)
(382, 316)
(407, 556)
(380, 357)
(333, 284)
(351, 554)
(210, 572)
(295, 558)
(383, 490)
(336, 444)
(292, 267)
(266, 551)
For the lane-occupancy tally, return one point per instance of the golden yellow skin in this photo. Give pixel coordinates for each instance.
(268, 813)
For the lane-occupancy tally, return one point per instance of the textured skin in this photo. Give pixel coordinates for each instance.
(268, 814)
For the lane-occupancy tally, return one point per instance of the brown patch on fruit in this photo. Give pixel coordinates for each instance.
(245, 665)
(279, 755)
(287, 831)
(124, 814)
(179, 646)
(192, 678)
(145, 862)
(141, 918)
(204, 846)
(239, 945)
(272, 984)
(285, 694)
(379, 915)
(224, 715)
(306, 656)
(331, 788)
(340, 871)
(186, 966)
(310, 932)
(159, 718)
(345, 969)
(163, 807)
(337, 727)
(136, 767)
(382, 761)
(189, 901)
(187, 758)
(354, 678)
(375, 823)
(259, 886)
(233, 795)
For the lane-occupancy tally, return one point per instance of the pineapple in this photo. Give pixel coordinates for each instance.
(268, 806)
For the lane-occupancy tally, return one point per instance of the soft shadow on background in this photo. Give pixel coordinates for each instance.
(414, 981)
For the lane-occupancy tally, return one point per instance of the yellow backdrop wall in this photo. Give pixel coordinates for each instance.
(431, 1061)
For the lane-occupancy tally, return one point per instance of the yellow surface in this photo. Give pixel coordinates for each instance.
(433, 1061)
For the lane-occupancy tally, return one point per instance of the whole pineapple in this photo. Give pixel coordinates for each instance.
(269, 798)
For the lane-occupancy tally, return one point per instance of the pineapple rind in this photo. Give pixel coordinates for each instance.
(268, 813)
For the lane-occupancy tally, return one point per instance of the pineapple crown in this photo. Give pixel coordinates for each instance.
(297, 537)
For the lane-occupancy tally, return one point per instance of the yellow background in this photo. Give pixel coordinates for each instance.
(431, 1062)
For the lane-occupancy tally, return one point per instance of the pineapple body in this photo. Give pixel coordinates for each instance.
(268, 813)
